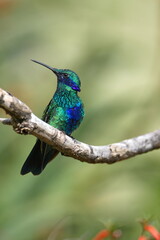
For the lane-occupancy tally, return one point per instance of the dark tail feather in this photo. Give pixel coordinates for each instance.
(38, 158)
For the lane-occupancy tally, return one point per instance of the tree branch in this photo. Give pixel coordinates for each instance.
(25, 122)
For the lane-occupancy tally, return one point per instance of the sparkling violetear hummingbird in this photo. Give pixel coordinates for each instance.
(65, 111)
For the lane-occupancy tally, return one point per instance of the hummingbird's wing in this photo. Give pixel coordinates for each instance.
(41, 153)
(52, 116)
(51, 107)
(55, 116)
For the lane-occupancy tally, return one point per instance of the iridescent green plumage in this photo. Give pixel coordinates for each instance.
(65, 112)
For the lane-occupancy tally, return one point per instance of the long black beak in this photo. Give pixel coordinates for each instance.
(55, 70)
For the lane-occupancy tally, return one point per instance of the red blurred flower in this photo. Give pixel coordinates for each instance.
(102, 235)
(152, 230)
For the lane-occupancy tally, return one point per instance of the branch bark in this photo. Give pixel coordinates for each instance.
(25, 122)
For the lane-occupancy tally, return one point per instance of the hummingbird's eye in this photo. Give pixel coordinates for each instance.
(65, 74)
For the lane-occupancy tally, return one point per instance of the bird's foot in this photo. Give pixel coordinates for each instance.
(72, 137)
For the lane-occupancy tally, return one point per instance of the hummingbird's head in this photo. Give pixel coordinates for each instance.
(65, 76)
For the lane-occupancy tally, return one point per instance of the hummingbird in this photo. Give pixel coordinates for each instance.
(65, 112)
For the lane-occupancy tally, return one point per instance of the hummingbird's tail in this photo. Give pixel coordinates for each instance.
(38, 158)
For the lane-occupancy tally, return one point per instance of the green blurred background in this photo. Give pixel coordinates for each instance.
(114, 47)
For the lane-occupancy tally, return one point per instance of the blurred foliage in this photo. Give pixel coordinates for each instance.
(114, 48)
